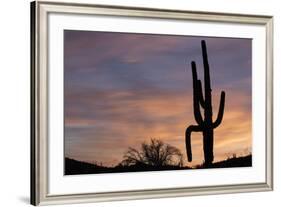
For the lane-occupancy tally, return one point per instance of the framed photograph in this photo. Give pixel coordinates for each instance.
(133, 103)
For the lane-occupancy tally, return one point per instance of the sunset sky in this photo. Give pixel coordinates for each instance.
(121, 89)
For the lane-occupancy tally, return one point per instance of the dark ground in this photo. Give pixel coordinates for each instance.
(75, 167)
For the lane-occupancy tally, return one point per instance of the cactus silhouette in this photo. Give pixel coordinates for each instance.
(206, 124)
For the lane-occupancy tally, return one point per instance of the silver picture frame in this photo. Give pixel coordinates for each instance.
(39, 100)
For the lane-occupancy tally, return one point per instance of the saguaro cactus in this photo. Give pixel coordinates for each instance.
(206, 124)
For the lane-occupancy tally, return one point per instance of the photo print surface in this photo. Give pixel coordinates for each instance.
(151, 102)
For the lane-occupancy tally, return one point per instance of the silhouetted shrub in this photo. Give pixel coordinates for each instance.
(155, 153)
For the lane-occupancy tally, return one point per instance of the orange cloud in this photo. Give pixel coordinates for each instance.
(160, 116)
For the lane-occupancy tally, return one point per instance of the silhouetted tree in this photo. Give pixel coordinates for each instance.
(206, 124)
(155, 153)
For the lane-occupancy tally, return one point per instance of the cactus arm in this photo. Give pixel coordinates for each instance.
(221, 110)
(189, 130)
(196, 105)
(200, 94)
